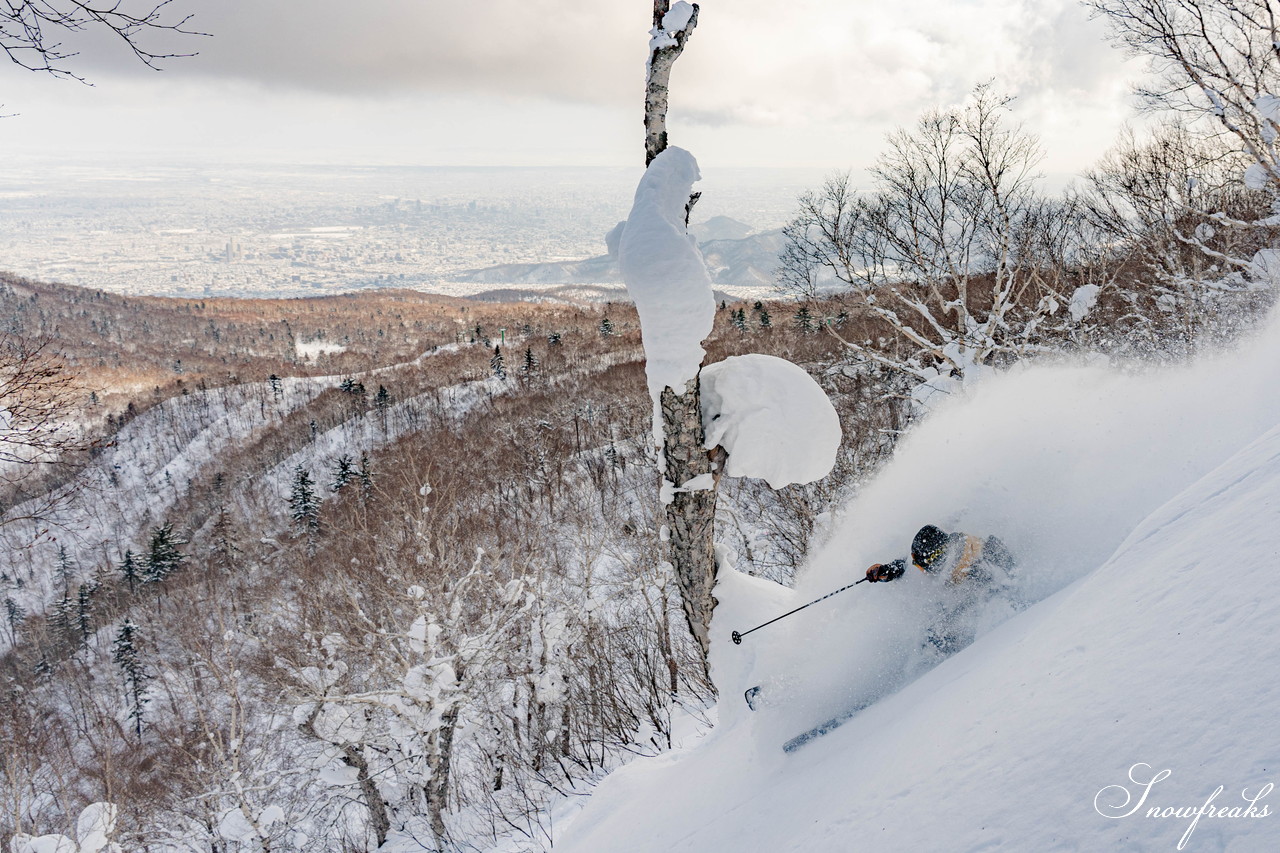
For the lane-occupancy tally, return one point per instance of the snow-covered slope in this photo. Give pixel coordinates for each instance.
(1151, 503)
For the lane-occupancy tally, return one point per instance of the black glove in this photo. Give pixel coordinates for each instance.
(882, 572)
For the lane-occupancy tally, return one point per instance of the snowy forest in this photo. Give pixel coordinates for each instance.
(402, 572)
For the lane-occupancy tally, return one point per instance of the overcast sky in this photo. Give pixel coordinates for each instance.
(806, 83)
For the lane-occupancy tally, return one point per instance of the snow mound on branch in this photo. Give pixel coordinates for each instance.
(665, 274)
(774, 421)
(1082, 301)
(1256, 177)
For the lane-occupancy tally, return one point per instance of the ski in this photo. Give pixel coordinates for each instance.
(823, 728)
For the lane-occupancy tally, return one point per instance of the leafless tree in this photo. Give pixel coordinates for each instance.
(954, 252)
(39, 403)
(1217, 60)
(32, 32)
(690, 516)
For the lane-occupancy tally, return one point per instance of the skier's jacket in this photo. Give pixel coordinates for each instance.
(957, 557)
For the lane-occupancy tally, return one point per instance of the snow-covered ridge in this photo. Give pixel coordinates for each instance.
(153, 459)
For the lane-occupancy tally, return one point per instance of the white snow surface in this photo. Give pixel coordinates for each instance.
(677, 17)
(1142, 507)
(665, 274)
(1256, 177)
(772, 418)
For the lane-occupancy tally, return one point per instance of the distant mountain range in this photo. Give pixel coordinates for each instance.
(735, 256)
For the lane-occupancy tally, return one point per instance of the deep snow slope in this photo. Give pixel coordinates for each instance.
(1152, 505)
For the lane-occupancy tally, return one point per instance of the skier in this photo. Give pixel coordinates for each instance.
(973, 569)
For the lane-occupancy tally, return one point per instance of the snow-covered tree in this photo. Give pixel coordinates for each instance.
(13, 615)
(344, 471)
(498, 364)
(1217, 60)
(304, 503)
(703, 435)
(64, 570)
(365, 474)
(130, 571)
(163, 557)
(125, 653)
(945, 253)
(84, 611)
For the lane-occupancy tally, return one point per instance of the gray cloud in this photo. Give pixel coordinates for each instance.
(753, 62)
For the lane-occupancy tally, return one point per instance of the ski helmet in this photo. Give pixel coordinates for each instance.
(928, 547)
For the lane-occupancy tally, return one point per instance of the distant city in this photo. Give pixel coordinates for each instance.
(272, 231)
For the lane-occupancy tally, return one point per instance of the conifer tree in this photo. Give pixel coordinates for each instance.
(304, 504)
(344, 470)
(14, 615)
(84, 611)
(553, 339)
(804, 319)
(498, 363)
(61, 618)
(530, 362)
(124, 651)
(277, 388)
(740, 319)
(365, 473)
(382, 400)
(129, 570)
(65, 569)
(766, 321)
(606, 327)
(163, 557)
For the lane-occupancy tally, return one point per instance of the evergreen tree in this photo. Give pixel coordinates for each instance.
(498, 363)
(740, 319)
(222, 545)
(366, 477)
(804, 319)
(354, 388)
(277, 387)
(124, 651)
(606, 327)
(14, 615)
(304, 505)
(84, 611)
(65, 569)
(129, 570)
(553, 339)
(530, 362)
(61, 619)
(315, 429)
(382, 400)
(766, 321)
(163, 557)
(344, 470)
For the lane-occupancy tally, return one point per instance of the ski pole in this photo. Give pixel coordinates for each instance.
(737, 637)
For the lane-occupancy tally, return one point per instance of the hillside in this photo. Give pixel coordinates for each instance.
(1143, 508)
(246, 565)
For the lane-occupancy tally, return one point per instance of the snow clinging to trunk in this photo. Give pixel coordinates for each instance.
(665, 274)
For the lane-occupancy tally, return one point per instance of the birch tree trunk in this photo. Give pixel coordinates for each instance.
(690, 517)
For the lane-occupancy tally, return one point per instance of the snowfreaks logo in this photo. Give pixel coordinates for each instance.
(1102, 802)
